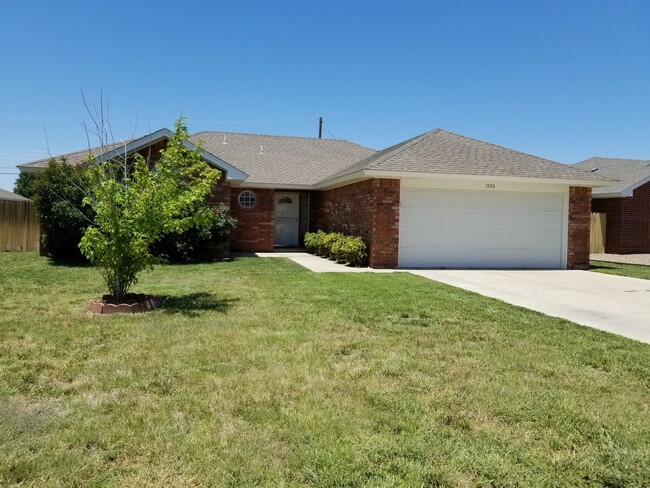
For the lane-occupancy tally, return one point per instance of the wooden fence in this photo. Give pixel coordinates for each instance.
(19, 226)
(597, 235)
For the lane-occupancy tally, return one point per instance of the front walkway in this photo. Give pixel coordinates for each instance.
(318, 264)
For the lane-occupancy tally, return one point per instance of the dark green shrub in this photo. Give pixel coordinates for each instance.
(58, 194)
(25, 184)
(192, 244)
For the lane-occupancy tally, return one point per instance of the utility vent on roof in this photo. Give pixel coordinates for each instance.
(261, 149)
(225, 139)
(593, 170)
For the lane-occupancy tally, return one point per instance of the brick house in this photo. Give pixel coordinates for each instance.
(437, 200)
(626, 203)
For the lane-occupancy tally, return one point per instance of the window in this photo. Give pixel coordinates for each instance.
(285, 200)
(247, 199)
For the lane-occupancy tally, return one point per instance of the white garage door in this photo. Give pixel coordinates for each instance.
(480, 229)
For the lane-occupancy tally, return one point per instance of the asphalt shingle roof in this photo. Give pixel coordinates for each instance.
(7, 195)
(74, 158)
(442, 152)
(630, 172)
(282, 160)
(301, 161)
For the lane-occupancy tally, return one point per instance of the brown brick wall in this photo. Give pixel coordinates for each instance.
(369, 209)
(254, 231)
(220, 194)
(579, 227)
(628, 222)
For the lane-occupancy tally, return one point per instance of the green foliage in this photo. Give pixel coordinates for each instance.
(338, 247)
(312, 240)
(135, 205)
(58, 193)
(25, 184)
(192, 244)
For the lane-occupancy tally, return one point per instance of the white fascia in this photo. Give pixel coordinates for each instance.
(232, 173)
(513, 179)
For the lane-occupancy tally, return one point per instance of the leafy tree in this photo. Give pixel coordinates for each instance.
(25, 184)
(58, 193)
(136, 203)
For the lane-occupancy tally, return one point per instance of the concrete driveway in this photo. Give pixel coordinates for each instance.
(612, 303)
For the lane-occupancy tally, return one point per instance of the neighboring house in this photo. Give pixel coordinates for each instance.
(8, 196)
(626, 203)
(437, 200)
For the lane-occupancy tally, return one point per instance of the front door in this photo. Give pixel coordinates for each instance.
(286, 219)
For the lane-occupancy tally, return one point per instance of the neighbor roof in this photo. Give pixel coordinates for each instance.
(632, 173)
(7, 195)
(74, 158)
(282, 160)
(442, 152)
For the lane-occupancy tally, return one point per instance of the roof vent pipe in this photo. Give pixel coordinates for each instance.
(261, 149)
(225, 138)
(593, 170)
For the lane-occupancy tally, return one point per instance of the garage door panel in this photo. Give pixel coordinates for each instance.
(455, 218)
(452, 228)
(482, 258)
(489, 238)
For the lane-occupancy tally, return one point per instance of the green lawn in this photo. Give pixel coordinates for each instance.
(259, 372)
(631, 270)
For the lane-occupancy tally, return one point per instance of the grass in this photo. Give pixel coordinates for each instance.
(259, 372)
(631, 270)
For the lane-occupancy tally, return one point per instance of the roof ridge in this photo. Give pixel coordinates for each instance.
(413, 141)
(273, 135)
(378, 155)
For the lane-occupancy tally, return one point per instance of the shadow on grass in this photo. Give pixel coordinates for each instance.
(603, 265)
(193, 304)
(69, 263)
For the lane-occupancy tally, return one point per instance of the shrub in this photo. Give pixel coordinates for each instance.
(312, 240)
(58, 193)
(192, 244)
(328, 243)
(343, 249)
(25, 184)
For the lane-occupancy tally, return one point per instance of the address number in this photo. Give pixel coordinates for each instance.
(490, 185)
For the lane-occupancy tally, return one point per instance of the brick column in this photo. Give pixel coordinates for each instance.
(384, 238)
(579, 227)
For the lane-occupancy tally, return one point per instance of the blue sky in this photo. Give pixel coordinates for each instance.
(564, 80)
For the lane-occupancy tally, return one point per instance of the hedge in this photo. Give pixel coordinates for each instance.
(338, 247)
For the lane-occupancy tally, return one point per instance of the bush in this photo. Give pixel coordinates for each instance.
(192, 244)
(58, 193)
(343, 249)
(313, 241)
